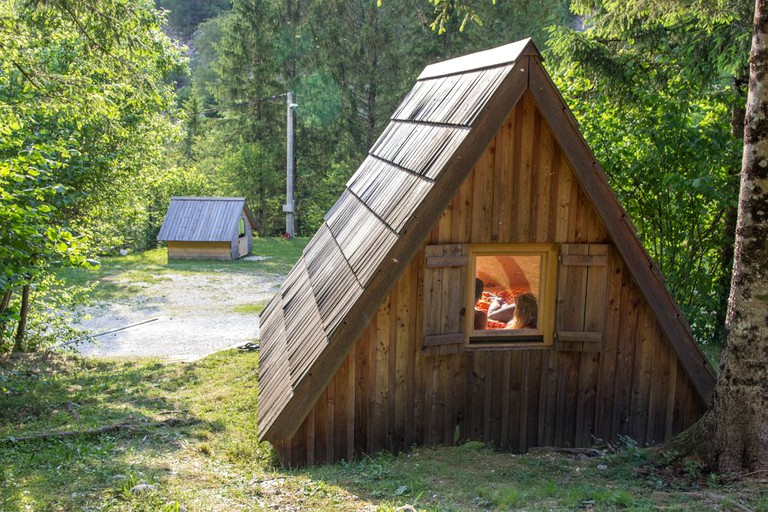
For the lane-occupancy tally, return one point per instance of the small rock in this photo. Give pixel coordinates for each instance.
(602, 467)
(406, 508)
(142, 488)
(403, 489)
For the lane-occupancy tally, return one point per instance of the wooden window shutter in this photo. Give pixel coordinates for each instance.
(581, 297)
(445, 280)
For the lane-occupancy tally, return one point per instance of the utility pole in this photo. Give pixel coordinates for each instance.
(290, 204)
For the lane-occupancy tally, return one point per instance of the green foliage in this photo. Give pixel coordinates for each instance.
(649, 85)
(452, 16)
(185, 15)
(83, 99)
(705, 41)
(49, 324)
(670, 157)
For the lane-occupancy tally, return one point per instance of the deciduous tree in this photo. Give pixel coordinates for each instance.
(83, 104)
(740, 409)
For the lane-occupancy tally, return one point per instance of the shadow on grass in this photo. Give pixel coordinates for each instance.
(73, 473)
(119, 423)
(473, 477)
(42, 392)
(217, 463)
(467, 477)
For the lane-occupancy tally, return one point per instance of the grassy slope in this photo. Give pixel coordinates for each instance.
(213, 461)
(209, 457)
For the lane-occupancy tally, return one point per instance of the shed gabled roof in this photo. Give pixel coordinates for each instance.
(393, 201)
(203, 219)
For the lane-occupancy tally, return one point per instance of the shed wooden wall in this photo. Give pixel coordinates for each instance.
(391, 393)
(200, 250)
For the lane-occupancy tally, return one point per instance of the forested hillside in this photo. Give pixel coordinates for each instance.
(109, 108)
(348, 64)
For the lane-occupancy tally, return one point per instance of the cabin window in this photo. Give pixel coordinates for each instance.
(511, 294)
(241, 228)
(567, 283)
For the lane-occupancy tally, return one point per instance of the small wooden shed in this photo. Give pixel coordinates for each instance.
(210, 228)
(479, 197)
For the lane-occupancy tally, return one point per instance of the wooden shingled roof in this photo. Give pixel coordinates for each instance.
(391, 203)
(203, 219)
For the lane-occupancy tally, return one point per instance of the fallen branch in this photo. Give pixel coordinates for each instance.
(589, 452)
(130, 427)
(124, 328)
(740, 476)
(725, 500)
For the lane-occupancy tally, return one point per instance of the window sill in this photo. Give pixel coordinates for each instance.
(501, 346)
(507, 340)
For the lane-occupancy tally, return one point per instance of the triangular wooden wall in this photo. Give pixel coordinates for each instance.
(391, 392)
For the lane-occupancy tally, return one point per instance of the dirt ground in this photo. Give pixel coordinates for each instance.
(180, 316)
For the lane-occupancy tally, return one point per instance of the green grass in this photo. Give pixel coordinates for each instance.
(248, 309)
(123, 277)
(209, 458)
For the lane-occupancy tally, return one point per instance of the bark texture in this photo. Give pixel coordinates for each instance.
(21, 330)
(740, 409)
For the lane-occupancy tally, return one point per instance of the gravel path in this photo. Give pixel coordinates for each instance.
(180, 316)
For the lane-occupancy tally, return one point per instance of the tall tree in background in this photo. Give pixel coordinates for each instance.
(365, 49)
(740, 410)
(185, 15)
(349, 64)
(254, 63)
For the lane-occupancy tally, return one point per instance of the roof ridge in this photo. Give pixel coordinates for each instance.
(494, 57)
(206, 198)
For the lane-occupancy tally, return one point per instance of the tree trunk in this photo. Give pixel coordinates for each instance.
(4, 304)
(22, 327)
(731, 215)
(740, 408)
(6, 301)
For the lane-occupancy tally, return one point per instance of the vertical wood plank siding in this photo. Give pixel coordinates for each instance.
(391, 393)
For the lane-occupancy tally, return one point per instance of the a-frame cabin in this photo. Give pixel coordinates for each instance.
(480, 183)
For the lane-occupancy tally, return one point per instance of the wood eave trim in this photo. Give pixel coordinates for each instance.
(250, 216)
(646, 274)
(413, 235)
